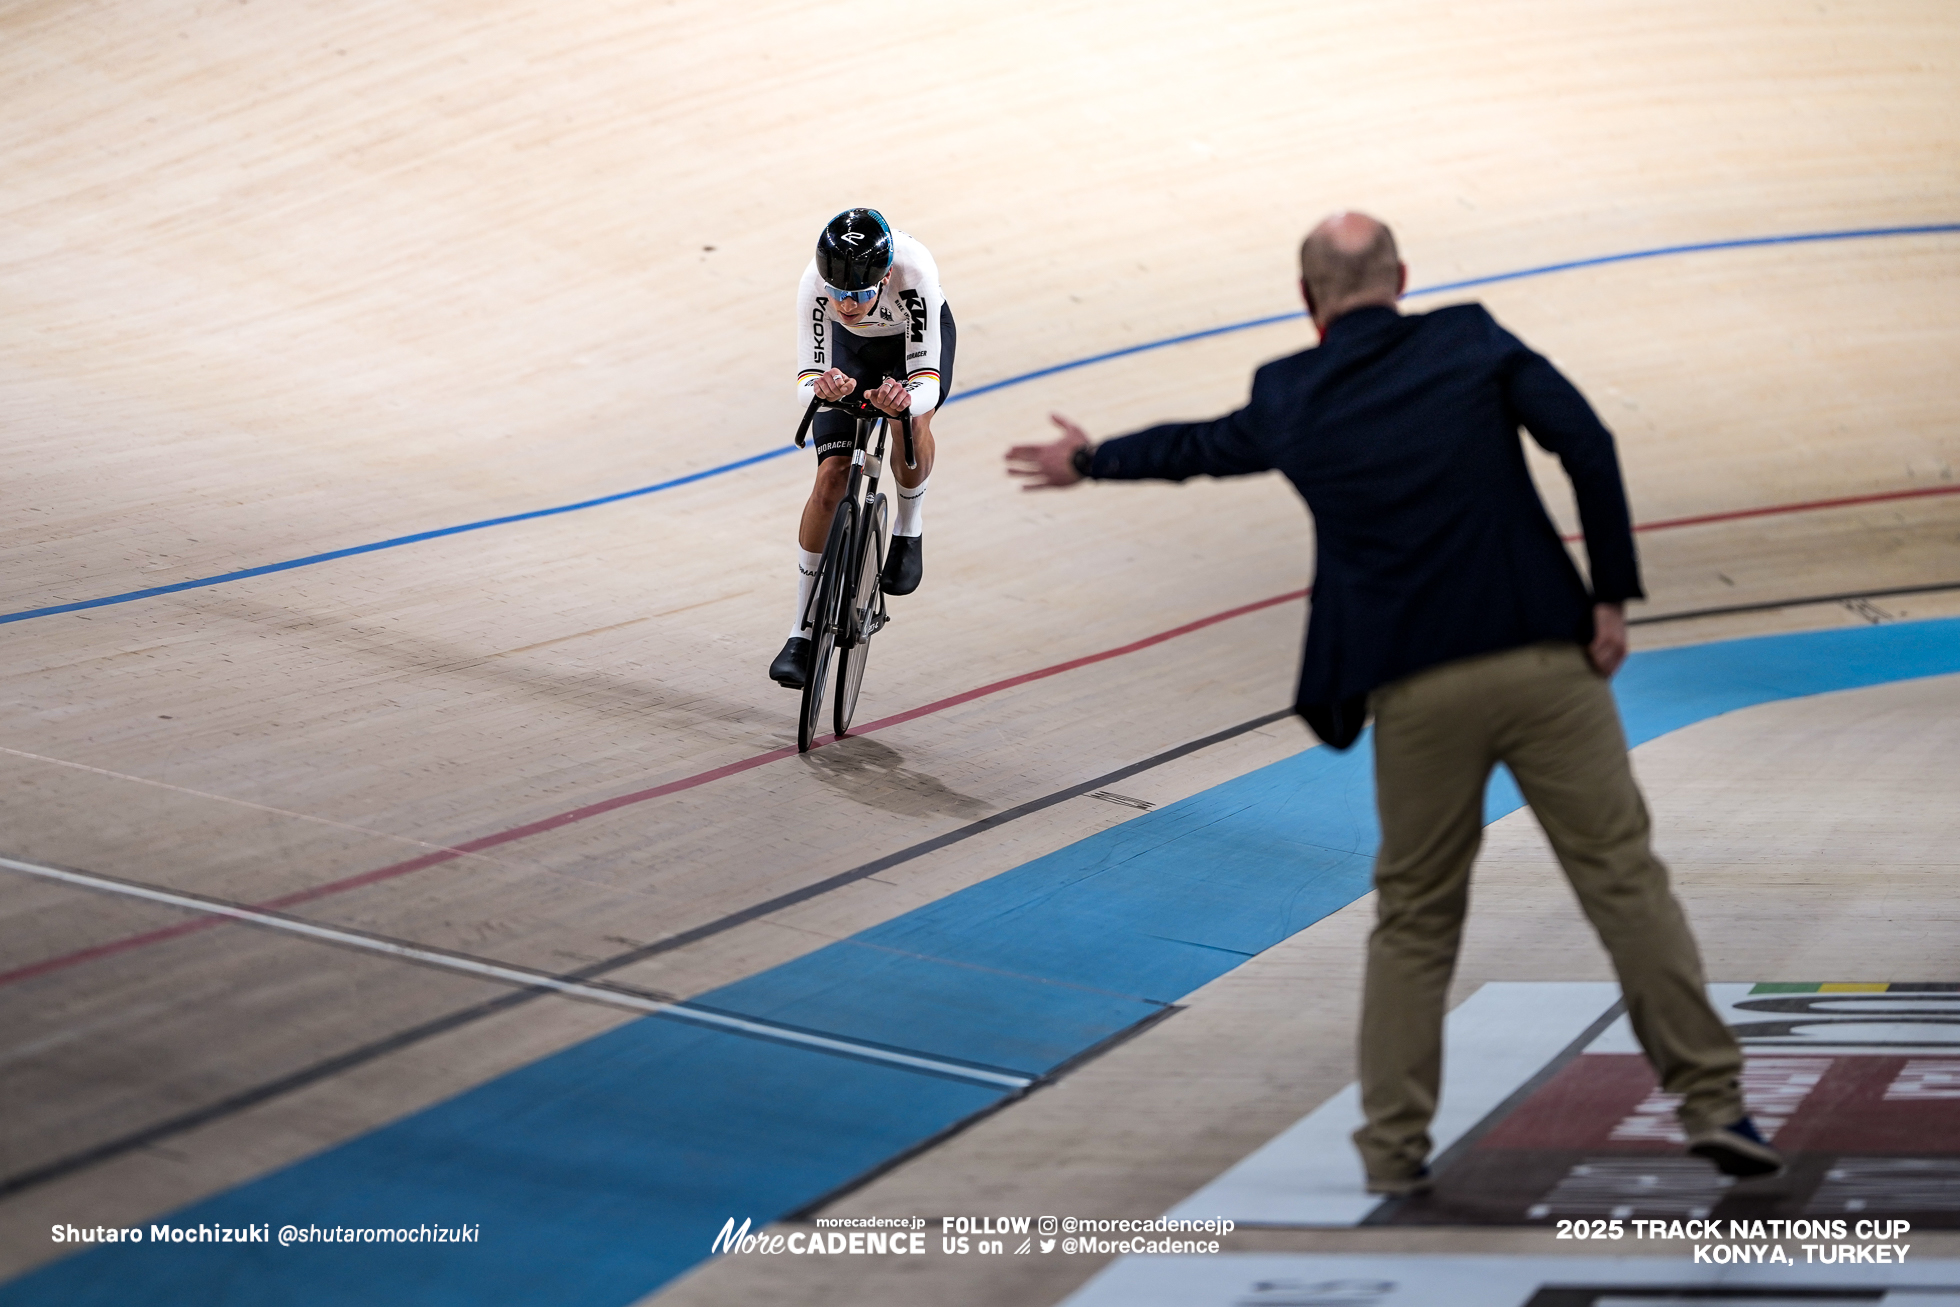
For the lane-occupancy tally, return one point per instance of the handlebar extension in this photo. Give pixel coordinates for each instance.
(857, 407)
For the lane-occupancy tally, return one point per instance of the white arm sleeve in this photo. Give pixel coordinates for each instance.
(922, 301)
(813, 327)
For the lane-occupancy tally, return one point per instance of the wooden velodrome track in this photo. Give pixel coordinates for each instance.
(286, 280)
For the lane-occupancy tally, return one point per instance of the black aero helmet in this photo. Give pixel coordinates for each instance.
(855, 250)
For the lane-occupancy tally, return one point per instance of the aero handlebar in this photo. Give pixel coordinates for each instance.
(857, 407)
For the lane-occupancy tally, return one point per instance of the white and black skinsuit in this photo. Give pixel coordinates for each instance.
(908, 334)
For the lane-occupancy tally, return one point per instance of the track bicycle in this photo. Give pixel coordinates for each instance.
(847, 604)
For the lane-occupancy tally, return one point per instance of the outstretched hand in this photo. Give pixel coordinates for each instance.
(1050, 466)
(1609, 643)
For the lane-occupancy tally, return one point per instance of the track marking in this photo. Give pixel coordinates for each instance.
(520, 976)
(1811, 506)
(1800, 238)
(448, 853)
(1775, 510)
(445, 853)
(616, 626)
(580, 635)
(1295, 315)
(365, 1053)
(1644, 725)
(240, 803)
(394, 542)
(1802, 601)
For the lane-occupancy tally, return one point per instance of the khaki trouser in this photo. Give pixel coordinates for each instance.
(1543, 712)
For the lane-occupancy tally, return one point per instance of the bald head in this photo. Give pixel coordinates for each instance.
(1347, 262)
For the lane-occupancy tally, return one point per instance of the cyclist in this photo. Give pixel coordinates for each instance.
(870, 314)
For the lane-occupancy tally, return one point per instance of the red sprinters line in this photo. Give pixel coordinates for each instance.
(1922, 493)
(539, 827)
(1735, 515)
(1084, 661)
(687, 783)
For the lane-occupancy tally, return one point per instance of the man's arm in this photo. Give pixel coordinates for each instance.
(1609, 643)
(1223, 447)
(1558, 418)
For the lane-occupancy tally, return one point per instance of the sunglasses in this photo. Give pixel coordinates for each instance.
(854, 296)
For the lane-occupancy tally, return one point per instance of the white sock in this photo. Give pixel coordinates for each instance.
(807, 566)
(911, 503)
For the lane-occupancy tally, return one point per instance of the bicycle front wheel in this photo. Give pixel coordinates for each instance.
(828, 621)
(864, 613)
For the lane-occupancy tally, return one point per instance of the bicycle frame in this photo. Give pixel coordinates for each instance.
(867, 467)
(847, 604)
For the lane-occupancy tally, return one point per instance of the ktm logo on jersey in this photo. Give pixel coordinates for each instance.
(915, 305)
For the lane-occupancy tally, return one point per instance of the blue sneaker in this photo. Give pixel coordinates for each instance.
(1737, 1150)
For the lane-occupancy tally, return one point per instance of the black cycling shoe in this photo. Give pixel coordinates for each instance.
(792, 666)
(904, 566)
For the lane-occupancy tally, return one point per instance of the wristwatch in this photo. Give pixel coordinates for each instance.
(1081, 459)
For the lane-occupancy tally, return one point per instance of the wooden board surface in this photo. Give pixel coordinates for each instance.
(284, 280)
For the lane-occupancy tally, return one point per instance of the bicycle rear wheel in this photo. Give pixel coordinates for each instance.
(829, 618)
(864, 613)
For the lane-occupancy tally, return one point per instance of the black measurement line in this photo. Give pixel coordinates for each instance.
(1792, 603)
(365, 1053)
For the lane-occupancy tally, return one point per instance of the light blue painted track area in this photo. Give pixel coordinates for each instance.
(602, 1172)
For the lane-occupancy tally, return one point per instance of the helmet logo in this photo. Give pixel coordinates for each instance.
(853, 236)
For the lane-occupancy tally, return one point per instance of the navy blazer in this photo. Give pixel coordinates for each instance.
(1401, 433)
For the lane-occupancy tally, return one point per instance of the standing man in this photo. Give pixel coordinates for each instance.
(1445, 604)
(869, 313)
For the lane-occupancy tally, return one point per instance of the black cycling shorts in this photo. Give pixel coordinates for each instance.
(868, 360)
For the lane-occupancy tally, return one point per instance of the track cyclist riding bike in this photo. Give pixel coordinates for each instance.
(870, 314)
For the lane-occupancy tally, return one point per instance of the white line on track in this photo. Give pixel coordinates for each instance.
(243, 803)
(519, 976)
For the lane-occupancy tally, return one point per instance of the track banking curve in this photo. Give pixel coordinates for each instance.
(449, 853)
(1541, 270)
(446, 853)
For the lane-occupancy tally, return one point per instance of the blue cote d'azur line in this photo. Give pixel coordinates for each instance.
(599, 1173)
(395, 542)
